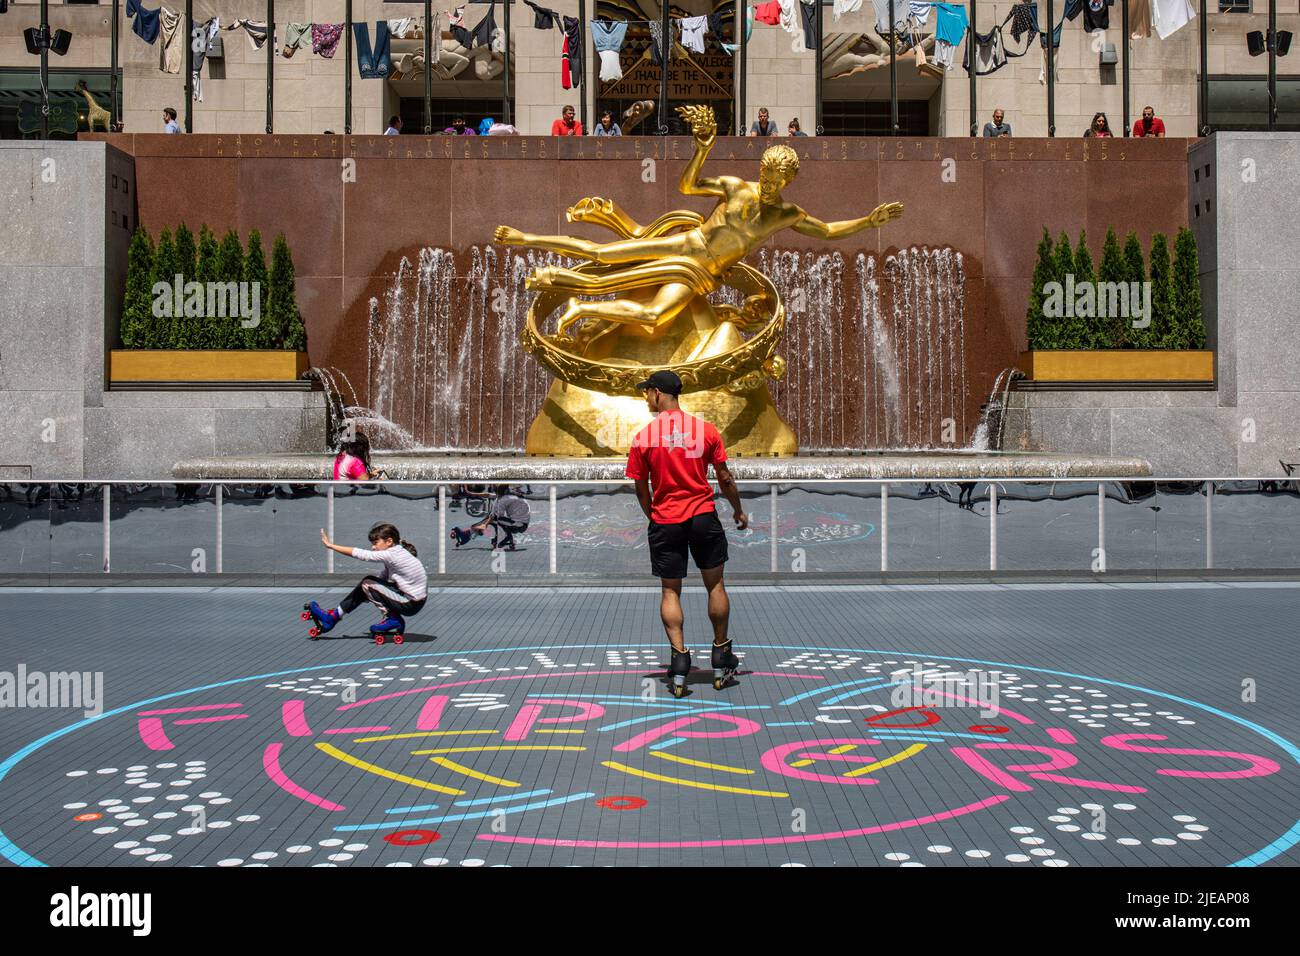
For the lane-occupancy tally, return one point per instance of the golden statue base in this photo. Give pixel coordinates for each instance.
(578, 423)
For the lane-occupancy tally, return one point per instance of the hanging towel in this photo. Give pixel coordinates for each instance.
(296, 35)
(403, 28)
(171, 50)
(145, 24)
(1170, 16)
(608, 37)
(1139, 19)
(693, 32)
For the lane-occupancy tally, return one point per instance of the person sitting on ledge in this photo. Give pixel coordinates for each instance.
(1149, 124)
(352, 463)
(458, 128)
(1099, 127)
(394, 126)
(169, 121)
(566, 125)
(607, 126)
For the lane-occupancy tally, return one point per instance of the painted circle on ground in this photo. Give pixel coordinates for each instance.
(534, 734)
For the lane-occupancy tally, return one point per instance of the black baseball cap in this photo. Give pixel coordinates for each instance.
(664, 380)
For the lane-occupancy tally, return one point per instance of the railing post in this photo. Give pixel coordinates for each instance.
(993, 526)
(108, 538)
(1101, 526)
(554, 511)
(884, 527)
(1209, 525)
(221, 494)
(329, 527)
(442, 529)
(773, 526)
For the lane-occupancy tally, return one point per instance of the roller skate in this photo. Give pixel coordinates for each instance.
(725, 665)
(677, 671)
(462, 535)
(322, 619)
(393, 625)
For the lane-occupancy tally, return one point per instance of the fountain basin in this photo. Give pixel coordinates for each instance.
(901, 464)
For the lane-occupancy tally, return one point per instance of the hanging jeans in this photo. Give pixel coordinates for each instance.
(376, 64)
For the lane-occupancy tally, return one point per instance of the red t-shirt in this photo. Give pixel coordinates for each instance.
(1157, 127)
(675, 451)
(558, 128)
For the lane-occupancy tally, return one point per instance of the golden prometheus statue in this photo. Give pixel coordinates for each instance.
(660, 317)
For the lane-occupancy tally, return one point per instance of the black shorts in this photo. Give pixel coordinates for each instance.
(702, 536)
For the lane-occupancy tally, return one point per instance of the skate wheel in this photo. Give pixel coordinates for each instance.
(718, 682)
(314, 632)
(679, 690)
(305, 616)
(398, 639)
(379, 638)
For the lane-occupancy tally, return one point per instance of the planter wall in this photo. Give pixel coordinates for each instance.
(1120, 366)
(199, 367)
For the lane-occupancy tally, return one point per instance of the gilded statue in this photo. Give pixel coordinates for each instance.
(661, 276)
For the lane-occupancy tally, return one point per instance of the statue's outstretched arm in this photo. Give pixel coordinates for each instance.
(705, 130)
(887, 212)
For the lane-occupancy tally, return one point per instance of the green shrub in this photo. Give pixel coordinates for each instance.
(160, 329)
(230, 268)
(1135, 271)
(1188, 324)
(204, 330)
(1085, 331)
(1161, 330)
(137, 306)
(282, 307)
(255, 271)
(1035, 323)
(1114, 328)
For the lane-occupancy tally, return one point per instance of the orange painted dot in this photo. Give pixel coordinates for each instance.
(87, 817)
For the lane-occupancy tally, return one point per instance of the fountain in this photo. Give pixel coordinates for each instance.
(873, 377)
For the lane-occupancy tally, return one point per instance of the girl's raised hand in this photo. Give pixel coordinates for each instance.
(324, 538)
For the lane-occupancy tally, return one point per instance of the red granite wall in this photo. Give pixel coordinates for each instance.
(349, 224)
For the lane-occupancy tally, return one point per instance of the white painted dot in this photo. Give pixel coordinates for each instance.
(912, 863)
(158, 858)
(1021, 830)
(331, 842)
(472, 862)
(1184, 818)
(126, 845)
(299, 848)
(1016, 858)
(135, 823)
(1125, 806)
(158, 838)
(1092, 836)
(436, 861)
(218, 824)
(1056, 863)
(939, 848)
(1032, 841)
(248, 818)
(177, 797)
(219, 801)
(399, 864)
(1092, 806)
(165, 815)
(233, 861)
(142, 851)
(1042, 851)
(356, 847)
(1164, 841)
(143, 799)
(897, 857)
(1189, 836)
(107, 770)
(75, 806)
(1196, 827)
(103, 830)
(76, 773)
(210, 794)
(340, 857)
(150, 786)
(978, 854)
(1128, 841)
(265, 855)
(1069, 828)
(165, 766)
(189, 831)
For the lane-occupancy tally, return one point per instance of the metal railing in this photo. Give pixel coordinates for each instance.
(594, 529)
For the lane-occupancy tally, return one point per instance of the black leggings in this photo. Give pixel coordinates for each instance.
(382, 595)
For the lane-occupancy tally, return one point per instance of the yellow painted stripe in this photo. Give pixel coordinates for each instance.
(426, 733)
(469, 750)
(843, 748)
(559, 731)
(381, 772)
(689, 783)
(911, 751)
(470, 772)
(698, 763)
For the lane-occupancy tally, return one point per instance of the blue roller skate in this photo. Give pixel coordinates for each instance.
(322, 619)
(393, 625)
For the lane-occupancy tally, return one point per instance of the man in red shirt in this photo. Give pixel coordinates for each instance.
(1149, 124)
(672, 456)
(567, 125)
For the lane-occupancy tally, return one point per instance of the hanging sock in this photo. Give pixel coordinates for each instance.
(146, 22)
(170, 50)
(325, 38)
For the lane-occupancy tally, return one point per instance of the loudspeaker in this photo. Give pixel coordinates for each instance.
(32, 37)
(60, 42)
(1283, 42)
(1108, 54)
(1255, 42)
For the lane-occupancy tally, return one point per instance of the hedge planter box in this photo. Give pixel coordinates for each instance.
(195, 367)
(1120, 366)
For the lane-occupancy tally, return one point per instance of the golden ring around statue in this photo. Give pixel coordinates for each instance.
(742, 368)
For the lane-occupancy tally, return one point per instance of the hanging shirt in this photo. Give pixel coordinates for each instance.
(882, 15)
(543, 18)
(210, 30)
(403, 28)
(325, 38)
(990, 56)
(950, 23)
(560, 128)
(846, 6)
(1024, 17)
(769, 12)
(573, 42)
(608, 37)
(145, 24)
(1170, 16)
(693, 33)
(918, 11)
(1096, 15)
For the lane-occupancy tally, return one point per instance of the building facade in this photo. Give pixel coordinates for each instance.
(470, 78)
